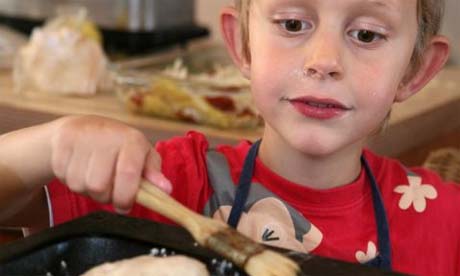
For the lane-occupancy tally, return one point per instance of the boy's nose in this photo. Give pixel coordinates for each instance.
(323, 59)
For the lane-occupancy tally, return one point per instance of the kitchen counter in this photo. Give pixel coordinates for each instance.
(425, 116)
(21, 110)
(418, 155)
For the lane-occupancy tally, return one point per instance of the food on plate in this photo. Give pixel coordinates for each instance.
(63, 57)
(220, 98)
(149, 265)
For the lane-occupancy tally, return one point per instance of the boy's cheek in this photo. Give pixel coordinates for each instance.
(272, 67)
(264, 77)
(368, 94)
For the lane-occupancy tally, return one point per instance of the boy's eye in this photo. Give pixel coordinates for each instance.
(294, 25)
(366, 36)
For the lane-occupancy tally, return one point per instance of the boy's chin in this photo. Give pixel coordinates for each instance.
(317, 150)
(321, 148)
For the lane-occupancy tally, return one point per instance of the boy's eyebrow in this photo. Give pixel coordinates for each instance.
(382, 4)
(386, 7)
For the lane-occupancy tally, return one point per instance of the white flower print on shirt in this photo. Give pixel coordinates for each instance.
(369, 255)
(415, 194)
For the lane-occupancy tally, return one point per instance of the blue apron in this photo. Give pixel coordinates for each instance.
(383, 260)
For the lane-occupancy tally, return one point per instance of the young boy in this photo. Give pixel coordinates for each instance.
(324, 76)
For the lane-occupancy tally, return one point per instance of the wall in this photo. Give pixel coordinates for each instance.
(452, 28)
(207, 13)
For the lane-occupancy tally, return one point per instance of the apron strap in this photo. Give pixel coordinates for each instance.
(244, 184)
(383, 232)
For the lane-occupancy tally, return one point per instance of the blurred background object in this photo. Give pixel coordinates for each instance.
(207, 14)
(452, 29)
(10, 42)
(128, 26)
(64, 56)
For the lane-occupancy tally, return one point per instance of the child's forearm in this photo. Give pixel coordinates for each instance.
(101, 158)
(25, 166)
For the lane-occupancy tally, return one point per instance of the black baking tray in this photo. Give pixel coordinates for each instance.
(74, 247)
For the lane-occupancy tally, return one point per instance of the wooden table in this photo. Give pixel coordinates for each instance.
(22, 110)
(8, 235)
(417, 156)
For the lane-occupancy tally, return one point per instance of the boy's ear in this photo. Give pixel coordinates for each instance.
(230, 28)
(434, 59)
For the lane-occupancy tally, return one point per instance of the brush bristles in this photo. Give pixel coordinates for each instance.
(270, 263)
(253, 257)
(234, 246)
(203, 228)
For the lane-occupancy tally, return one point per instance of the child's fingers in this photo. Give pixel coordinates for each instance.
(75, 176)
(61, 153)
(128, 172)
(152, 171)
(99, 177)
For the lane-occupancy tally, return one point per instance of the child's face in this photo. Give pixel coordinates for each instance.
(325, 73)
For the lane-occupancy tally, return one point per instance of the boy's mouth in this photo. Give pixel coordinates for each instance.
(318, 108)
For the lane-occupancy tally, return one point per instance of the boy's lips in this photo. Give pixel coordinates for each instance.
(316, 108)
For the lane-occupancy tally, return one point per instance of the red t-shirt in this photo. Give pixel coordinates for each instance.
(423, 211)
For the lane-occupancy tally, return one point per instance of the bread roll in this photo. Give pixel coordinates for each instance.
(148, 265)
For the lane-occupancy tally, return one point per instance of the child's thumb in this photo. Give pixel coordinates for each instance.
(152, 172)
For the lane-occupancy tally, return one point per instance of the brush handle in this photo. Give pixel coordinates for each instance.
(151, 197)
(216, 235)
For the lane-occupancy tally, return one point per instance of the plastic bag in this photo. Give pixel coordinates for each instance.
(63, 57)
(10, 42)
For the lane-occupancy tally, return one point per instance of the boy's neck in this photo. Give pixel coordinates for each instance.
(324, 172)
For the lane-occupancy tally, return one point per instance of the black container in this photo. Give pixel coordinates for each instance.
(74, 247)
(125, 42)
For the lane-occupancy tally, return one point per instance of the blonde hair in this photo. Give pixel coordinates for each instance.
(429, 12)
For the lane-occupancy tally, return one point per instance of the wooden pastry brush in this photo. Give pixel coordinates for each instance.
(252, 257)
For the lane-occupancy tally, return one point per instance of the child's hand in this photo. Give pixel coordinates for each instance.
(104, 159)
